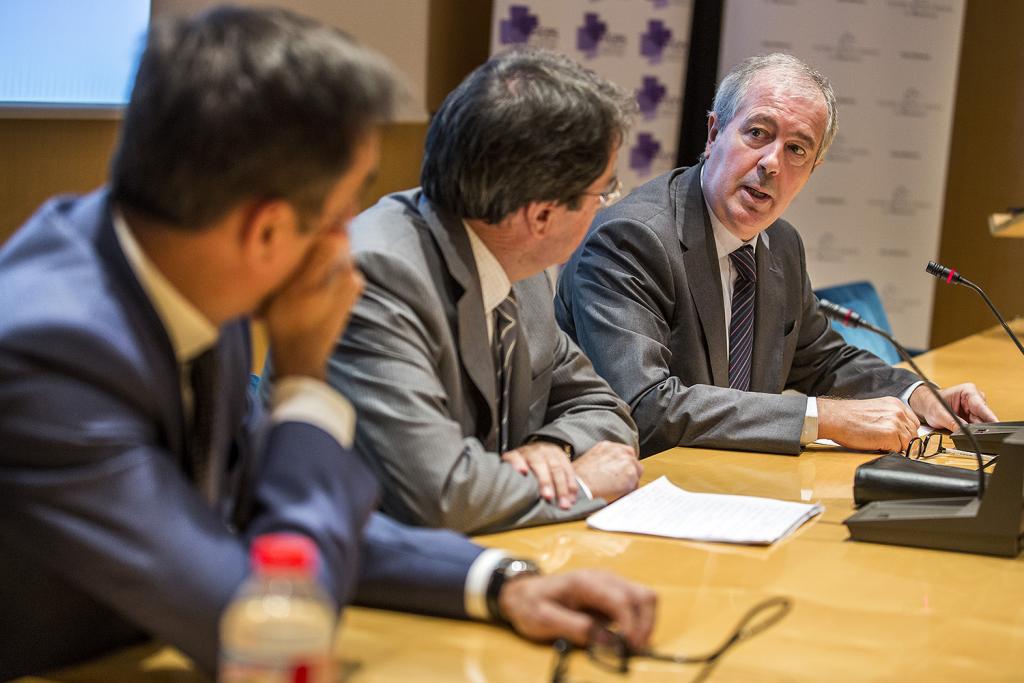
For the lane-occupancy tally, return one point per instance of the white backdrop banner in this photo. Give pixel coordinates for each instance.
(640, 44)
(873, 210)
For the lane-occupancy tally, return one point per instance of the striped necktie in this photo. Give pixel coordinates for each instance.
(506, 317)
(741, 328)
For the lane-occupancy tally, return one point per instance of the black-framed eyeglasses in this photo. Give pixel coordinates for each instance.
(609, 651)
(918, 448)
(611, 195)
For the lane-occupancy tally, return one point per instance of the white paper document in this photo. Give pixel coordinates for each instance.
(663, 509)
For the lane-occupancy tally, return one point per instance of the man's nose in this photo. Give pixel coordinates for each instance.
(770, 159)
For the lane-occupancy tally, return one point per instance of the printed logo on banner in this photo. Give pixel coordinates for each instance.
(652, 98)
(846, 49)
(922, 9)
(594, 40)
(899, 203)
(656, 43)
(898, 301)
(843, 151)
(905, 154)
(910, 104)
(648, 154)
(914, 56)
(829, 200)
(828, 248)
(522, 27)
(777, 46)
(662, 4)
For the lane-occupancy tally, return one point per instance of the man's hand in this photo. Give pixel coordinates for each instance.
(966, 400)
(305, 317)
(568, 606)
(550, 464)
(874, 424)
(610, 470)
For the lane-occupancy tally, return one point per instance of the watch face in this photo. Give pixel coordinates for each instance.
(517, 567)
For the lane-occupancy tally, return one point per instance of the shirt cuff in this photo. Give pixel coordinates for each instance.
(809, 433)
(304, 399)
(585, 489)
(905, 396)
(475, 591)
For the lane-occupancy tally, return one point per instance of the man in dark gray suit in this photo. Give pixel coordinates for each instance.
(475, 410)
(135, 468)
(691, 296)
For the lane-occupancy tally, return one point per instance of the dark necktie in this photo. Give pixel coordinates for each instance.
(741, 328)
(203, 377)
(506, 317)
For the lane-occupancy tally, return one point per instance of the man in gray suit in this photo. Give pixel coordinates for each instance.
(692, 299)
(475, 410)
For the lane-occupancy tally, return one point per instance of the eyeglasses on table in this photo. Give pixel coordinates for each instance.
(608, 649)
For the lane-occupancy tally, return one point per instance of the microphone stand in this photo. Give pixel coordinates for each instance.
(991, 433)
(990, 523)
(952, 277)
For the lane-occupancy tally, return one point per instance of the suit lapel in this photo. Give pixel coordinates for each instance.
(160, 353)
(522, 380)
(769, 321)
(474, 348)
(702, 275)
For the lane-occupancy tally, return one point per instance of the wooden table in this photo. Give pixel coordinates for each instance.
(861, 612)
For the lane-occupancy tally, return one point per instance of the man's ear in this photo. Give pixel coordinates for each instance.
(539, 217)
(712, 133)
(265, 223)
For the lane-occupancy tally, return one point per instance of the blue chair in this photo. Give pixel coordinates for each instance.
(863, 299)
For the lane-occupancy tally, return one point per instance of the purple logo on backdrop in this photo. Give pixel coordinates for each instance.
(590, 34)
(660, 4)
(642, 154)
(650, 95)
(517, 28)
(653, 43)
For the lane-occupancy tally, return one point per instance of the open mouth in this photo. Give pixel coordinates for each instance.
(756, 194)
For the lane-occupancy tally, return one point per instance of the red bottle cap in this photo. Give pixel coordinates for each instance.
(284, 552)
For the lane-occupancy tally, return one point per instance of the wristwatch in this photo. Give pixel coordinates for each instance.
(508, 568)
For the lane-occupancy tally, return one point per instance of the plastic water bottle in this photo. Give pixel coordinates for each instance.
(279, 628)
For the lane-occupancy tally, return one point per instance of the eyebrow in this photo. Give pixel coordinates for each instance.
(809, 141)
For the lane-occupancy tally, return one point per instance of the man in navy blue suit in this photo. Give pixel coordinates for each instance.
(134, 466)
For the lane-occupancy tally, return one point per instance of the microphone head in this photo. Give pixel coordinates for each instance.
(943, 273)
(841, 313)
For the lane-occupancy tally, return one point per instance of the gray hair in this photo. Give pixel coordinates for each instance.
(789, 69)
(526, 126)
(242, 102)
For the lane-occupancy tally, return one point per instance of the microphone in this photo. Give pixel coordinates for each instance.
(851, 319)
(952, 277)
(989, 523)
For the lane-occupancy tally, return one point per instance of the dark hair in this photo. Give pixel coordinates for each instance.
(526, 126)
(238, 103)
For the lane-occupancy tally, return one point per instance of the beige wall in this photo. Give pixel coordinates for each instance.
(44, 157)
(986, 172)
